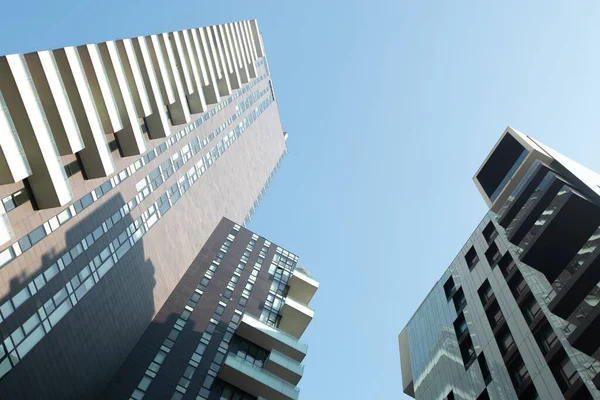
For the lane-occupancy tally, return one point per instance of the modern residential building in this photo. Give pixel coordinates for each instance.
(230, 330)
(117, 162)
(514, 315)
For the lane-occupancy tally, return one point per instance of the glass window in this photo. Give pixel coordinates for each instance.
(37, 234)
(485, 292)
(460, 325)
(490, 233)
(471, 258)
(449, 288)
(546, 339)
(568, 371)
(505, 341)
(531, 309)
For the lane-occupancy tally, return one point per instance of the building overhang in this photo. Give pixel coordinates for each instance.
(505, 166)
(284, 367)
(295, 317)
(270, 338)
(559, 232)
(302, 287)
(255, 380)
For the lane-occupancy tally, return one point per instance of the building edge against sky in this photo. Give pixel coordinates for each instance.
(118, 161)
(515, 314)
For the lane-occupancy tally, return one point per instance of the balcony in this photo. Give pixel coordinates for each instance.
(271, 338)
(533, 207)
(506, 166)
(587, 318)
(577, 279)
(302, 287)
(284, 367)
(559, 232)
(255, 380)
(521, 193)
(295, 317)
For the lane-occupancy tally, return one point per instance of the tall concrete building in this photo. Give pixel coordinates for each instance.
(117, 162)
(514, 315)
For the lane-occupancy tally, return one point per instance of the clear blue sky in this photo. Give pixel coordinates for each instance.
(391, 107)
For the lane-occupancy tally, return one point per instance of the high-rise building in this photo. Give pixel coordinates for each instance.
(514, 314)
(230, 329)
(117, 162)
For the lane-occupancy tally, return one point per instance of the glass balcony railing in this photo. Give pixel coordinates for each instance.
(260, 375)
(277, 334)
(286, 362)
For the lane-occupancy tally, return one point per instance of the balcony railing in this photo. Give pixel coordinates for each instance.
(286, 361)
(259, 374)
(290, 340)
(535, 167)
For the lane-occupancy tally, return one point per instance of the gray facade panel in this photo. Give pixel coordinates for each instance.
(436, 361)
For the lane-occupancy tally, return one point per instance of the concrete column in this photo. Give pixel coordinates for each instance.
(192, 60)
(131, 137)
(211, 93)
(246, 46)
(134, 77)
(97, 78)
(243, 72)
(14, 166)
(95, 156)
(56, 104)
(183, 116)
(185, 70)
(48, 180)
(257, 37)
(213, 60)
(158, 121)
(232, 69)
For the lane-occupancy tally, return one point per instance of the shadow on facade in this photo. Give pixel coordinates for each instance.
(174, 366)
(79, 355)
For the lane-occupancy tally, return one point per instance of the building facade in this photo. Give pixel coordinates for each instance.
(490, 327)
(117, 162)
(230, 330)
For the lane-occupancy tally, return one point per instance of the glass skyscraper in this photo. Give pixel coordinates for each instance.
(513, 315)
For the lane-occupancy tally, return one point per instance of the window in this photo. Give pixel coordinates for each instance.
(485, 371)
(489, 233)
(518, 372)
(459, 300)
(546, 338)
(494, 314)
(467, 351)
(16, 199)
(485, 292)
(471, 258)
(460, 326)
(518, 285)
(505, 341)
(507, 264)
(492, 254)
(568, 372)
(531, 309)
(252, 353)
(233, 393)
(449, 288)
